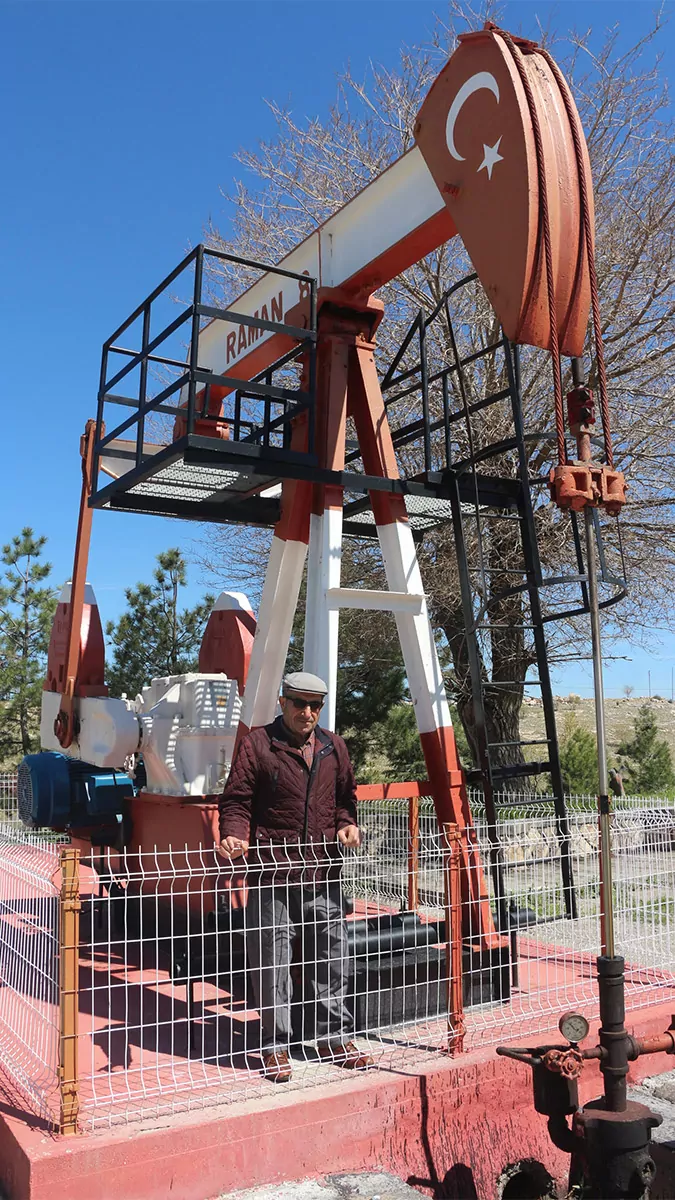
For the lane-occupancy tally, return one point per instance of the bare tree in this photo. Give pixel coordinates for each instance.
(312, 167)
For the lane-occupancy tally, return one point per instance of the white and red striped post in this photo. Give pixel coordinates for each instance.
(322, 617)
(279, 600)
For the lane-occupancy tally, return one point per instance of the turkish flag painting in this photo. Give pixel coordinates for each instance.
(475, 132)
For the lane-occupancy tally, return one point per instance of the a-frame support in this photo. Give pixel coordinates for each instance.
(348, 385)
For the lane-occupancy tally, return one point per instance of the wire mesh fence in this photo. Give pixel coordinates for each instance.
(9, 810)
(29, 968)
(193, 969)
(422, 942)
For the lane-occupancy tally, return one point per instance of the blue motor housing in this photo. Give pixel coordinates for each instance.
(60, 793)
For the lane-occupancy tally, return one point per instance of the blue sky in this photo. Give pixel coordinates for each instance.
(120, 123)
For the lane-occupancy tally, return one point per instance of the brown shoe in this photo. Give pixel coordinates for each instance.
(276, 1066)
(345, 1054)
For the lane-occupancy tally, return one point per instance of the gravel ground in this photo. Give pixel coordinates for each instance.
(368, 1186)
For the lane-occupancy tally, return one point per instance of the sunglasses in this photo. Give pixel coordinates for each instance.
(297, 702)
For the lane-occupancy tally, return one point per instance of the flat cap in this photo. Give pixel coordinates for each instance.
(303, 681)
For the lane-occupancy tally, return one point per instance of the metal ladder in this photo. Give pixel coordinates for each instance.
(487, 480)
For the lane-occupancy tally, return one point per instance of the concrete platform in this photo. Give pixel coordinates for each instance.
(449, 1129)
(134, 1021)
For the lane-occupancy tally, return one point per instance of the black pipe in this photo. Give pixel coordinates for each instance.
(560, 1133)
(577, 372)
(612, 1035)
(390, 932)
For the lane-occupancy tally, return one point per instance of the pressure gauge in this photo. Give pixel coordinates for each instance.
(573, 1027)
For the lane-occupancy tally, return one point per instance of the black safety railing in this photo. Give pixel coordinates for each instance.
(191, 397)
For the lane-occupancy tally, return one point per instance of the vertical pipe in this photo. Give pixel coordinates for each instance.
(452, 854)
(577, 372)
(69, 938)
(612, 1034)
(413, 852)
(604, 812)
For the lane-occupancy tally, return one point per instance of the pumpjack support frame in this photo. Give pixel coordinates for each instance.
(223, 466)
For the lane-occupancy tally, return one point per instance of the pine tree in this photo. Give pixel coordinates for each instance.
(398, 737)
(154, 638)
(650, 766)
(26, 615)
(578, 760)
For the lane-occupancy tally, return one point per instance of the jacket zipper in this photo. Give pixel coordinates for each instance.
(310, 775)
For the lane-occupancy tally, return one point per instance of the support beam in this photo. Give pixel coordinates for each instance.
(378, 601)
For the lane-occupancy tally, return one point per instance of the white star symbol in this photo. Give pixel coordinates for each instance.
(492, 156)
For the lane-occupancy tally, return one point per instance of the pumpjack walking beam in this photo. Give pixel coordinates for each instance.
(348, 386)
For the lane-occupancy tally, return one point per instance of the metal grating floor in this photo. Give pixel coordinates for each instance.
(186, 481)
(424, 512)
(203, 480)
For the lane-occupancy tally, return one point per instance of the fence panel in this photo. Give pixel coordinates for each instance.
(29, 968)
(177, 951)
(8, 796)
(177, 963)
(553, 955)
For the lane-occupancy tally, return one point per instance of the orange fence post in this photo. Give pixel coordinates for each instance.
(413, 852)
(69, 967)
(452, 856)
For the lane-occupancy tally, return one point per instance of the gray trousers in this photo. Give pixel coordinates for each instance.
(273, 917)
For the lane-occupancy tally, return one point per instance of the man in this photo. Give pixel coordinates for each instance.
(289, 800)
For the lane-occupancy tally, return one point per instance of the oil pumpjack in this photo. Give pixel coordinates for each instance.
(260, 407)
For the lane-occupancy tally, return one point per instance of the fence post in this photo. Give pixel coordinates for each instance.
(69, 964)
(413, 852)
(452, 854)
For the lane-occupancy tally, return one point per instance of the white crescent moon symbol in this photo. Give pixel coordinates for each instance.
(482, 79)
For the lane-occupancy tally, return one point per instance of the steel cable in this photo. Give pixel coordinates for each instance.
(577, 135)
(545, 234)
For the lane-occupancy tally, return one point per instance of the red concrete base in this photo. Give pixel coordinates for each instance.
(449, 1130)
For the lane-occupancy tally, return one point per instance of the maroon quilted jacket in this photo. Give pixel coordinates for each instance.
(272, 796)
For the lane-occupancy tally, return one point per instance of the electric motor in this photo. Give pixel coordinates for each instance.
(61, 793)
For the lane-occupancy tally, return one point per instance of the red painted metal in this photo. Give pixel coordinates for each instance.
(91, 671)
(227, 643)
(585, 483)
(578, 485)
(475, 130)
(65, 723)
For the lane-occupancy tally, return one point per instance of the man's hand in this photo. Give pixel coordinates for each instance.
(233, 847)
(350, 836)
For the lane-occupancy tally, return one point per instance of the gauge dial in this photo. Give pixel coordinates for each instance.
(573, 1027)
